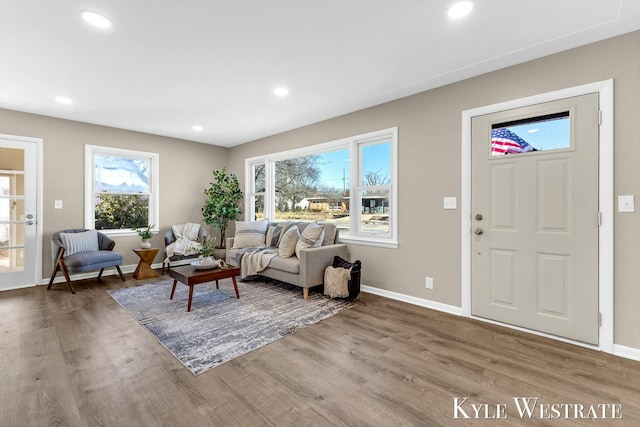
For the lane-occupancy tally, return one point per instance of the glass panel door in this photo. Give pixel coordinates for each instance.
(18, 227)
(12, 210)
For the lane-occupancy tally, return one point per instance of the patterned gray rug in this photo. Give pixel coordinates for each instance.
(220, 327)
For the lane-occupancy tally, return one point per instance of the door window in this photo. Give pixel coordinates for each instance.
(542, 133)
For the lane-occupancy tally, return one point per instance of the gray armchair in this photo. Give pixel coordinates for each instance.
(169, 238)
(81, 253)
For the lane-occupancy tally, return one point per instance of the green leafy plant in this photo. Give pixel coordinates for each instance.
(145, 233)
(207, 246)
(221, 205)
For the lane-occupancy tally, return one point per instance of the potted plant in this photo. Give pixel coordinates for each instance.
(206, 250)
(145, 235)
(221, 205)
(207, 246)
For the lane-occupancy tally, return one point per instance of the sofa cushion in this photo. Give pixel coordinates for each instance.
(290, 265)
(311, 237)
(89, 261)
(329, 234)
(76, 243)
(274, 234)
(288, 243)
(250, 234)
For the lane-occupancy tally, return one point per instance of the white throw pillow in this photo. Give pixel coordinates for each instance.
(75, 243)
(311, 237)
(288, 243)
(250, 234)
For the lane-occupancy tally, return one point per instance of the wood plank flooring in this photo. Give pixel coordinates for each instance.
(81, 360)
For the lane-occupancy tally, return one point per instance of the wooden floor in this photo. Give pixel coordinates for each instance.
(81, 360)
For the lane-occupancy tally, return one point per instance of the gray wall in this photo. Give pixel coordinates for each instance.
(429, 126)
(185, 171)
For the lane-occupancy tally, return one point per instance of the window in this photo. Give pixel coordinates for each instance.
(543, 133)
(121, 189)
(351, 183)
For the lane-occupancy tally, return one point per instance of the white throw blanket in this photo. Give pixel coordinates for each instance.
(253, 263)
(336, 282)
(186, 240)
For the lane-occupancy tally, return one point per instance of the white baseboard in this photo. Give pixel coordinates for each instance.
(451, 309)
(626, 352)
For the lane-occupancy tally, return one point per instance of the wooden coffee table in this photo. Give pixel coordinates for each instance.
(188, 275)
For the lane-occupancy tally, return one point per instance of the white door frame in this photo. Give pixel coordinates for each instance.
(37, 279)
(606, 201)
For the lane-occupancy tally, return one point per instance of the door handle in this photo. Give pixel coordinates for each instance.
(478, 231)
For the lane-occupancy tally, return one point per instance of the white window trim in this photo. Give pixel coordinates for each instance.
(353, 143)
(154, 197)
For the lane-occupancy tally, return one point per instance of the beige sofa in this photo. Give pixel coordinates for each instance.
(306, 271)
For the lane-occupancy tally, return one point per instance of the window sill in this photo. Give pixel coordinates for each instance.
(369, 242)
(124, 233)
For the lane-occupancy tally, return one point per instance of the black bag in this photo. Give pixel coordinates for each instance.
(354, 281)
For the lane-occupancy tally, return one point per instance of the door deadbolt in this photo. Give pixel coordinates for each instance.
(478, 217)
(478, 231)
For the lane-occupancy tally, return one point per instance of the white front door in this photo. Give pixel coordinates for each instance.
(534, 217)
(18, 228)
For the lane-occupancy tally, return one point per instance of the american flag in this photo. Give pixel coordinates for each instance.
(503, 141)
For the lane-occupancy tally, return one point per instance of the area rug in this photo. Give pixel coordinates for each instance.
(220, 327)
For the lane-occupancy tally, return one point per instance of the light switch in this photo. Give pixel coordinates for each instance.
(450, 203)
(626, 203)
(57, 204)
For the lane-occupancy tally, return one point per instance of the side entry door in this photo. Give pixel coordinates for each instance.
(18, 233)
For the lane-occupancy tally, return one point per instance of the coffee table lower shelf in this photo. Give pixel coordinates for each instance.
(190, 276)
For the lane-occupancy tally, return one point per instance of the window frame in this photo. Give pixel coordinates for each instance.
(354, 145)
(89, 191)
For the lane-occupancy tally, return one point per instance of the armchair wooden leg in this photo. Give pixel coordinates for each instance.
(305, 293)
(120, 273)
(162, 268)
(66, 276)
(53, 275)
(100, 274)
(60, 266)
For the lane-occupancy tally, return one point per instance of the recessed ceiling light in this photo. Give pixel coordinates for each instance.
(533, 130)
(198, 128)
(281, 91)
(460, 9)
(63, 100)
(96, 19)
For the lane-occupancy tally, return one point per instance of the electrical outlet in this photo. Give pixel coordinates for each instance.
(428, 282)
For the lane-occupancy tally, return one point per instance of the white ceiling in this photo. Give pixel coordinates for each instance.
(166, 65)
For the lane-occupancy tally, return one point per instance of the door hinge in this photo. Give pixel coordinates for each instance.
(599, 219)
(599, 319)
(599, 117)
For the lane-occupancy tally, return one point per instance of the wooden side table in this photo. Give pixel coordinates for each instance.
(144, 270)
